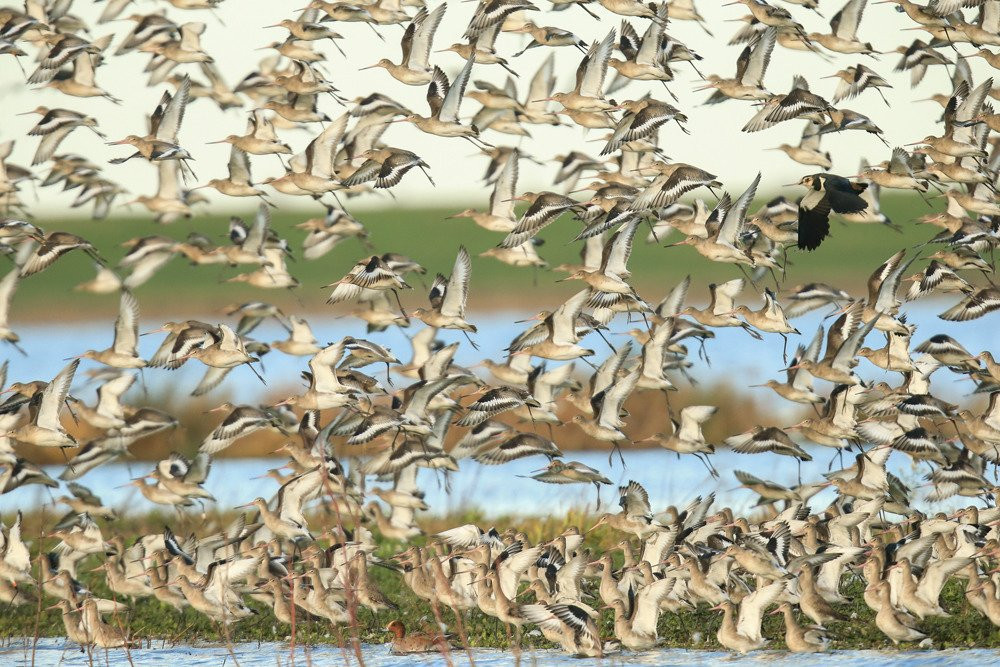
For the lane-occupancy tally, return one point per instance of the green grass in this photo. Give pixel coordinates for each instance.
(148, 619)
(846, 260)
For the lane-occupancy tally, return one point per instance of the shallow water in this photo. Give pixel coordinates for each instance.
(497, 490)
(506, 489)
(56, 651)
(732, 353)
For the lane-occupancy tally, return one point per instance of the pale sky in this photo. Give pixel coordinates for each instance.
(715, 142)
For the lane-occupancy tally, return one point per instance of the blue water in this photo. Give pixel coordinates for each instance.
(497, 490)
(506, 490)
(732, 353)
(56, 651)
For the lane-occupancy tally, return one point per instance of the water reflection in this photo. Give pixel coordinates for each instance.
(57, 651)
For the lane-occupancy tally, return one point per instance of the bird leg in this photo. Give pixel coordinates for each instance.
(671, 93)
(185, 166)
(829, 466)
(374, 30)
(427, 174)
(774, 276)
(616, 448)
(666, 396)
(122, 160)
(503, 63)
(400, 304)
(707, 463)
(468, 338)
(259, 376)
(746, 327)
(598, 332)
(747, 276)
(702, 352)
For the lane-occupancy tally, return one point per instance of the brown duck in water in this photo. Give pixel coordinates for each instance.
(417, 642)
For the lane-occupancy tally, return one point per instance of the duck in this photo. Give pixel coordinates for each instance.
(415, 642)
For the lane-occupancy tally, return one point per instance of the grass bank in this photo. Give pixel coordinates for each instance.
(648, 416)
(178, 289)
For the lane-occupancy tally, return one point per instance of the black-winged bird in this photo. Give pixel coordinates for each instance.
(826, 192)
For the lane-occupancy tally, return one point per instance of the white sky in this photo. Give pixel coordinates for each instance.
(715, 142)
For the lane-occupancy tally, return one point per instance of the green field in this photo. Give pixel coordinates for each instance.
(845, 260)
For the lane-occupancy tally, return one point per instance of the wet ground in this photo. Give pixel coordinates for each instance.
(56, 651)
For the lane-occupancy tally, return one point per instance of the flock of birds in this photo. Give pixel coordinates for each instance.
(308, 549)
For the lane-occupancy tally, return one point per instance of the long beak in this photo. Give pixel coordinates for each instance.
(117, 143)
(220, 141)
(368, 67)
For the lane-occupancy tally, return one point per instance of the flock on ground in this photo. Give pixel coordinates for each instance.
(308, 549)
